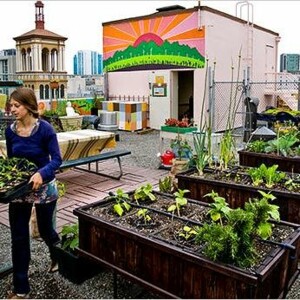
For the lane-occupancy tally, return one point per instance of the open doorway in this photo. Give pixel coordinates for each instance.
(184, 106)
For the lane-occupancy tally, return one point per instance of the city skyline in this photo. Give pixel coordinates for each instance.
(83, 25)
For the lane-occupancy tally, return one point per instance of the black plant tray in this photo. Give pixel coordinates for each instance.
(18, 190)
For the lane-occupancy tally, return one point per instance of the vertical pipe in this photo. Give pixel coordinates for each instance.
(199, 20)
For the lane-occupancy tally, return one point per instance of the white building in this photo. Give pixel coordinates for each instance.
(165, 55)
(7, 64)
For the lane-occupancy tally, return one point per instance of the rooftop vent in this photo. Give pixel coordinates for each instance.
(169, 8)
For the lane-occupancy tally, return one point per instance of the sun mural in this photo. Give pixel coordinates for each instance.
(157, 42)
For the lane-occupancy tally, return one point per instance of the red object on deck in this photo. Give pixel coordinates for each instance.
(167, 158)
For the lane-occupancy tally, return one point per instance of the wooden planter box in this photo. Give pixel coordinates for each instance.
(73, 267)
(179, 272)
(237, 194)
(252, 159)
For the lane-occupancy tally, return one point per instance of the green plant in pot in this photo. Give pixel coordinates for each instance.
(181, 148)
(183, 154)
(69, 237)
(70, 265)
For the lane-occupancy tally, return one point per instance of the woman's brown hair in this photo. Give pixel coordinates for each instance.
(26, 97)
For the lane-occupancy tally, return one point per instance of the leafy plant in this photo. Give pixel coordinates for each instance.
(143, 193)
(221, 242)
(232, 240)
(70, 237)
(272, 176)
(165, 184)
(181, 147)
(202, 157)
(219, 208)
(180, 201)
(187, 233)
(257, 176)
(227, 146)
(262, 211)
(14, 171)
(203, 153)
(143, 213)
(122, 205)
(291, 185)
(257, 146)
(283, 144)
(269, 175)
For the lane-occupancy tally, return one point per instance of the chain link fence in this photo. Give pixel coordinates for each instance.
(228, 100)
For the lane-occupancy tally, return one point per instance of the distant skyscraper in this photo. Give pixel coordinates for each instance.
(87, 62)
(7, 64)
(290, 63)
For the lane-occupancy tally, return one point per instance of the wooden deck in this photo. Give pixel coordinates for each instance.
(84, 188)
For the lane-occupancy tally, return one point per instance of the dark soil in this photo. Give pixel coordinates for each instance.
(238, 175)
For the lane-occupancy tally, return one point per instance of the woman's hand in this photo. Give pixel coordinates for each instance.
(37, 181)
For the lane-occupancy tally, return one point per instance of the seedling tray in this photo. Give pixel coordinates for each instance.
(16, 191)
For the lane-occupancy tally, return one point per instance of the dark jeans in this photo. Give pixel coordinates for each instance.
(19, 216)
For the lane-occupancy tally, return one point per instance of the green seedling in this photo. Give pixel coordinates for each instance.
(180, 201)
(187, 233)
(121, 204)
(143, 213)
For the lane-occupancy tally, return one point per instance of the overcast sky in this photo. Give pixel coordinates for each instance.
(81, 21)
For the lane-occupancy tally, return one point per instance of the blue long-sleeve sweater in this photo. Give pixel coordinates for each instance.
(40, 148)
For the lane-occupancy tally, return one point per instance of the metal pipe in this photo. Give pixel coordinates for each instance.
(199, 21)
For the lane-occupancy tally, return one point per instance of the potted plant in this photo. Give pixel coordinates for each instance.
(177, 126)
(73, 267)
(183, 154)
(70, 119)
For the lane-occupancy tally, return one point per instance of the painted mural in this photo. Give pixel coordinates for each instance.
(162, 41)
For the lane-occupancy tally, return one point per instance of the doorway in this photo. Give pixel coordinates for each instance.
(183, 91)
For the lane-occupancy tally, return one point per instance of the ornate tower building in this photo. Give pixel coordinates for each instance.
(40, 59)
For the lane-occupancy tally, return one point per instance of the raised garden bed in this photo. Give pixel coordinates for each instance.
(175, 269)
(237, 193)
(253, 159)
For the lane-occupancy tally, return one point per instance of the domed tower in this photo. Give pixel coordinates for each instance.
(40, 59)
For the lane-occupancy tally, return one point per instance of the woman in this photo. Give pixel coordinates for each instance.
(34, 139)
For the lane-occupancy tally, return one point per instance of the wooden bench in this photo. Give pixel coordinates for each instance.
(96, 159)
